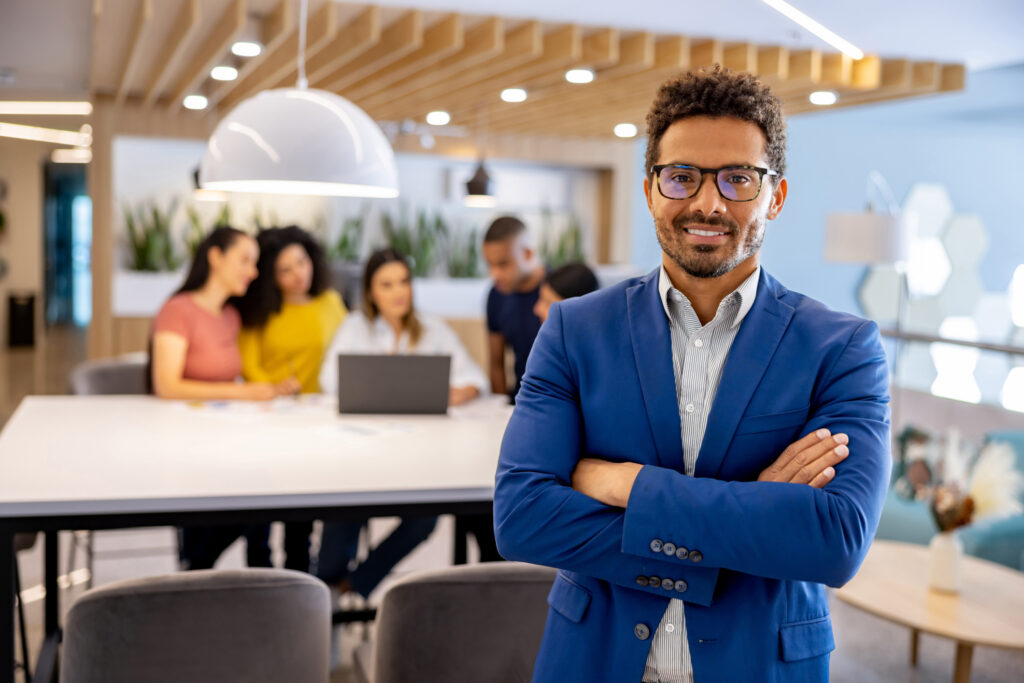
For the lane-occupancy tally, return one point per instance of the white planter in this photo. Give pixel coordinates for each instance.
(139, 294)
(945, 557)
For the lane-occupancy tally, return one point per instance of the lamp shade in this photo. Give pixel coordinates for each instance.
(865, 238)
(298, 141)
(479, 189)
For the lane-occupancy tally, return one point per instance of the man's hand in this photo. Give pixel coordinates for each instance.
(810, 460)
(607, 482)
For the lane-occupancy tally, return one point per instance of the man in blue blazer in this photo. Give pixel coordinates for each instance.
(699, 451)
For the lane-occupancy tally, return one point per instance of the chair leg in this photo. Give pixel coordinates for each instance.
(89, 557)
(21, 622)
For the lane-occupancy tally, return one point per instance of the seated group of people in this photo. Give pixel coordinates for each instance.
(256, 318)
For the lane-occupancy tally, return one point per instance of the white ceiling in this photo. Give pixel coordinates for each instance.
(45, 43)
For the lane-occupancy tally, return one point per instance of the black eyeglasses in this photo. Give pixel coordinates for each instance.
(735, 183)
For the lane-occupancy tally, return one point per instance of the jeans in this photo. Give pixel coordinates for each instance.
(202, 545)
(339, 546)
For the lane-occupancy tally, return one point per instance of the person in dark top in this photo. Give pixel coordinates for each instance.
(567, 282)
(517, 276)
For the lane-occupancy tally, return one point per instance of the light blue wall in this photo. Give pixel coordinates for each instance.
(972, 142)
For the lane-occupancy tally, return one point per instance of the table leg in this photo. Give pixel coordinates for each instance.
(962, 663)
(461, 539)
(915, 638)
(7, 560)
(50, 572)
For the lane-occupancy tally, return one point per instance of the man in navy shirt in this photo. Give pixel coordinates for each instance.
(517, 275)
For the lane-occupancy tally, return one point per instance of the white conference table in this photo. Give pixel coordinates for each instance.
(77, 462)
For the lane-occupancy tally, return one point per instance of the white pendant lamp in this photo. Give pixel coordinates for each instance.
(299, 141)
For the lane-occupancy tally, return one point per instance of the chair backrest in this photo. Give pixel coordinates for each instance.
(480, 622)
(254, 625)
(121, 375)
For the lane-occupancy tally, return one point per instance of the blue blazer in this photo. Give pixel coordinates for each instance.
(750, 559)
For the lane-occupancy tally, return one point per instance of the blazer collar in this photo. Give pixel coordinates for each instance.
(751, 352)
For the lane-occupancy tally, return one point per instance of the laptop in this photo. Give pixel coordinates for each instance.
(394, 384)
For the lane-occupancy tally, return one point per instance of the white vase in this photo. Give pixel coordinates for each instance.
(944, 562)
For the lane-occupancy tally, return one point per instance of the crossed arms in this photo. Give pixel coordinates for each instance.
(777, 527)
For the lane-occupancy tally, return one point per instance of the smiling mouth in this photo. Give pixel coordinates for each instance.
(705, 233)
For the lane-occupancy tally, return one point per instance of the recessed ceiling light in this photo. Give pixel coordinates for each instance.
(579, 75)
(823, 98)
(74, 155)
(17, 108)
(513, 95)
(246, 48)
(833, 39)
(625, 130)
(439, 118)
(196, 102)
(224, 73)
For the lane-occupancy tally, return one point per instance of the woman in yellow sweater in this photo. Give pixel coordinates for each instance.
(289, 316)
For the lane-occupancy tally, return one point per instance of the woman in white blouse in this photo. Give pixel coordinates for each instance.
(388, 325)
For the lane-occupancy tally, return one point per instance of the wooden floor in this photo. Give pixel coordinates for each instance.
(870, 650)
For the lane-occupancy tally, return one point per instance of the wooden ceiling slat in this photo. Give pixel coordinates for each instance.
(94, 29)
(600, 49)
(954, 77)
(173, 49)
(217, 42)
(442, 39)
(867, 73)
(773, 63)
(522, 44)
(482, 42)
(143, 21)
(741, 57)
(280, 63)
(404, 36)
(277, 27)
(562, 49)
(706, 53)
(804, 67)
(359, 35)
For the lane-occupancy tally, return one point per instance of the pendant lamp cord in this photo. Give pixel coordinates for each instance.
(303, 7)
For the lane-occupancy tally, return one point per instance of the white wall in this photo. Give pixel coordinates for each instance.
(161, 170)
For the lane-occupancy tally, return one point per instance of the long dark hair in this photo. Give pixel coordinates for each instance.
(377, 259)
(572, 280)
(222, 238)
(264, 297)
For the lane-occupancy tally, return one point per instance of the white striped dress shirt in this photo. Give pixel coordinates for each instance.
(698, 358)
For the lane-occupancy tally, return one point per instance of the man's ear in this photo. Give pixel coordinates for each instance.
(647, 194)
(778, 199)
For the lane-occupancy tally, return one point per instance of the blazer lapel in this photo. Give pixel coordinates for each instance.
(652, 353)
(752, 350)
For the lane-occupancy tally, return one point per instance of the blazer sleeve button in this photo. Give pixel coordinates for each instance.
(682, 553)
(641, 581)
(656, 545)
(696, 556)
(681, 586)
(669, 549)
(667, 584)
(642, 631)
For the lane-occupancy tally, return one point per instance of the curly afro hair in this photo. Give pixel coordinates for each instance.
(717, 92)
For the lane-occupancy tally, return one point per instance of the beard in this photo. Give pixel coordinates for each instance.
(709, 260)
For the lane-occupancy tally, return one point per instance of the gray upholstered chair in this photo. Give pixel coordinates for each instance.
(479, 622)
(253, 625)
(122, 375)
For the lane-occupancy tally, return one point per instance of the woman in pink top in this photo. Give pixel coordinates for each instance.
(195, 335)
(195, 356)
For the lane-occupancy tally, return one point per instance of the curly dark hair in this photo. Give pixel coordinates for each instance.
(715, 92)
(263, 297)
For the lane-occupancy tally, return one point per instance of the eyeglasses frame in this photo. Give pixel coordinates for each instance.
(761, 173)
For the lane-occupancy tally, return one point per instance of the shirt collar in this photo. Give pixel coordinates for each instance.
(747, 292)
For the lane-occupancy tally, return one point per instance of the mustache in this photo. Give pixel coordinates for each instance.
(696, 220)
